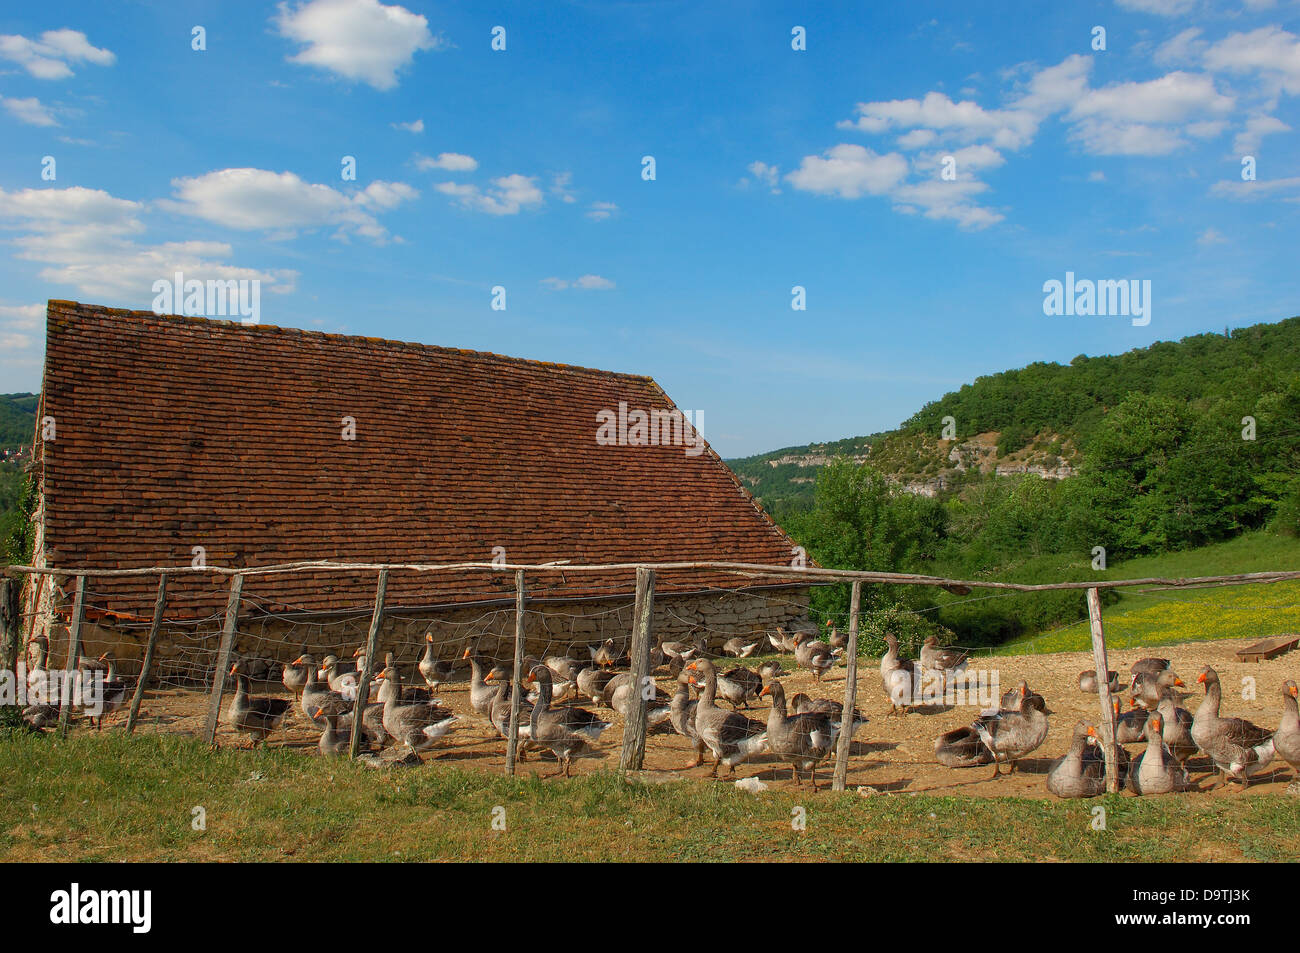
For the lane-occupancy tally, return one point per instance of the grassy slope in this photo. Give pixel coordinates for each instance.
(112, 798)
(1170, 616)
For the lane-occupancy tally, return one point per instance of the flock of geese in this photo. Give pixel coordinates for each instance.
(1169, 734)
(44, 688)
(801, 731)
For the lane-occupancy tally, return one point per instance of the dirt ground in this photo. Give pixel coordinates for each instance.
(890, 754)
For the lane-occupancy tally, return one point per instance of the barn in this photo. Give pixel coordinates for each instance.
(179, 441)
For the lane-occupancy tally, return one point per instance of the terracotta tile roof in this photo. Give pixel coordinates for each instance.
(177, 432)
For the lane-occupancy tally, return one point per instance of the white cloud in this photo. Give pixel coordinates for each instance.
(21, 341)
(282, 202)
(1255, 190)
(360, 40)
(508, 196)
(50, 56)
(560, 183)
(416, 126)
(940, 200)
(585, 283)
(1257, 127)
(1097, 176)
(1269, 51)
(1182, 50)
(1211, 236)
(447, 162)
(599, 211)
(30, 111)
(1162, 8)
(1171, 98)
(86, 239)
(966, 120)
(764, 174)
(849, 171)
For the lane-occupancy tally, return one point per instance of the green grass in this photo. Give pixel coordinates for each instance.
(113, 798)
(1142, 618)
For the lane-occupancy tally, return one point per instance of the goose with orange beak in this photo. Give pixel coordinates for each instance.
(1011, 735)
(257, 715)
(729, 735)
(568, 731)
(1286, 741)
(1237, 747)
(1155, 771)
(1082, 772)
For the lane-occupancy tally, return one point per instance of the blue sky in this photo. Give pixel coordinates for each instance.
(774, 168)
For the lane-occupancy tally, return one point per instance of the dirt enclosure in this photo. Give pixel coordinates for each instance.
(891, 754)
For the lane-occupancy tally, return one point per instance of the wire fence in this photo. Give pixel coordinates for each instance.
(258, 670)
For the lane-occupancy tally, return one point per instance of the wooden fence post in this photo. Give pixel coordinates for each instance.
(11, 623)
(74, 656)
(850, 692)
(372, 646)
(517, 679)
(147, 663)
(1103, 692)
(223, 658)
(634, 716)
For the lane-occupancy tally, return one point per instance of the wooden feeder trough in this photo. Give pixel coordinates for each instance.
(1268, 648)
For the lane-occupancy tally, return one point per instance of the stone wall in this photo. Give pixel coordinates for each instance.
(186, 654)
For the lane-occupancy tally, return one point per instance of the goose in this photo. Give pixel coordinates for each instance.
(836, 639)
(499, 712)
(1131, 726)
(395, 686)
(739, 648)
(1149, 666)
(801, 703)
(433, 670)
(739, 685)
(480, 692)
(814, 654)
(803, 740)
(656, 711)
(1146, 689)
(1176, 728)
(294, 678)
(415, 724)
(1011, 735)
(372, 722)
(729, 735)
(340, 681)
(568, 731)
(591, 681)
(112, 692)
(1155, 771)
(41, 716)
(258, 715)
(564, 671)
(945, 660)
(334, 740)
(1286, 740)
(1082, 772)
(1088, 681)
(1017, 698)
(605, 654)
(316, 696)
(1237, 747)
(781, 640)
(770, 670)
(898, 677)
(682, 717)
(961, 748)
(679, 651)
